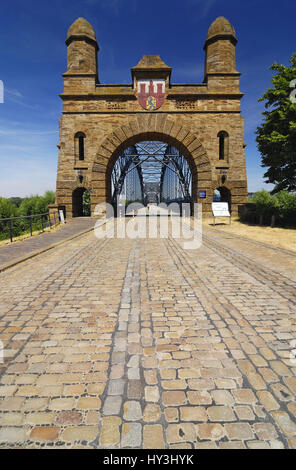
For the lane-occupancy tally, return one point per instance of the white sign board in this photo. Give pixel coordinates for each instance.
(220, 209)
(62, 218)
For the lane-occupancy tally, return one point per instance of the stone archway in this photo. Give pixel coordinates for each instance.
(78, 209)
(152, 127)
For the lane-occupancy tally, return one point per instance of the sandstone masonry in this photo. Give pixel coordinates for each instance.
(106, 119)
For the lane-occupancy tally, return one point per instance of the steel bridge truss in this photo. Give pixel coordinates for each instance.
(151, 160)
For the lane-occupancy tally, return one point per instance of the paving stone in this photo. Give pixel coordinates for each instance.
(239, 431)
(131, 435)
(244, 413)
(199, 398)
(268, 401)
(117, 371)
(45, 433)
(201, 384)
(35, 404)
(79, 433)
(150, 377)
(11, 419)
(12, 435)
(61, 404)
(292, 408)
(133, 361)
(40, 418)
(283, 420)
(193, 413)
(110, 435)
(151, 413)
(220, 413)
(12, 403)
(292, 443)
(133, 373)
(112, 405)
(222, 397)
(225, 383)
(95, 389)
(258, 445)
(291, 383)
(210, 431)
(184, 432)
(274, 444)
(280, 368)
(134, 389)
(168, 373)
(132, 411)
(174, 398)
(93, 417)
(7, 390)
(188, 373)
(244, 395)
(171, 414)
(265, 431)
(69, 417)
(116, 387)
(174, 384)
(88, 403)
(153, 437)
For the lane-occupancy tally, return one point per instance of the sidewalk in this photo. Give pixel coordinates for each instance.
(23, 250)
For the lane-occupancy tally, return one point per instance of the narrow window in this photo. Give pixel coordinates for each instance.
(223, 145)
(79, 145)
(81, 148)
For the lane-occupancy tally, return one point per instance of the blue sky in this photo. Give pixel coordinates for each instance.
(33, 57)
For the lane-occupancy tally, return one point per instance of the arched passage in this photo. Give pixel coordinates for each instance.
(80, 202)
(156, 127)
(222, 194)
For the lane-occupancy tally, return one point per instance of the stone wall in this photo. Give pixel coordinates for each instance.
(190, 118)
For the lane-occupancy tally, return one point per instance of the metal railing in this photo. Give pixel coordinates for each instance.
(46, 220)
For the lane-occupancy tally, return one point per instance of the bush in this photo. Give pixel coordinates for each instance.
(264, 205)
(286, 208)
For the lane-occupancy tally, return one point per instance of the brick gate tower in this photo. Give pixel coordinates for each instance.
(202, 120)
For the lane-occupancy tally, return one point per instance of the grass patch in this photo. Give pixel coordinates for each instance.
(279, 237)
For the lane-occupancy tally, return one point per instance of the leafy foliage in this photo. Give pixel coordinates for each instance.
(264, 205)
(276, 137)
(86, 203)
(15, 207)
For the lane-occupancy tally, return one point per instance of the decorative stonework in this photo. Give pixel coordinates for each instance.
(188, 116)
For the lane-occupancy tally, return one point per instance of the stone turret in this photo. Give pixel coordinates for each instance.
(81, 57)
(220, 51)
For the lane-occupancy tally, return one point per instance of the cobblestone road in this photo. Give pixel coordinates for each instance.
(142, 344)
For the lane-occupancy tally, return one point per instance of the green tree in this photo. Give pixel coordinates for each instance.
(16, 201)
(276, 136)
(7, 208)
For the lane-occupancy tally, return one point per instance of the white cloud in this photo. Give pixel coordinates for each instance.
(205, 6)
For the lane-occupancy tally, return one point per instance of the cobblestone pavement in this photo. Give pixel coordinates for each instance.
(120, 343)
